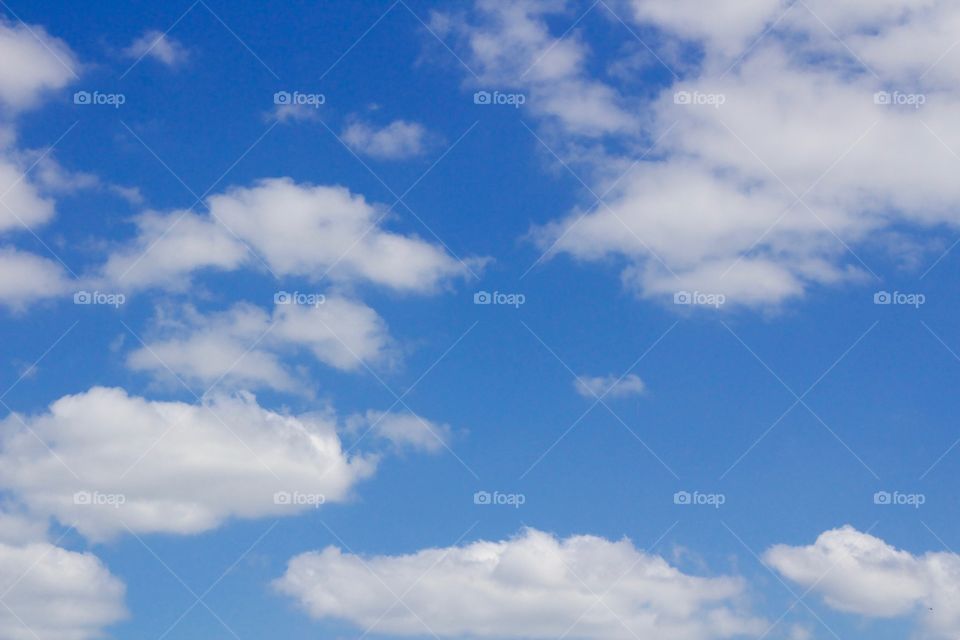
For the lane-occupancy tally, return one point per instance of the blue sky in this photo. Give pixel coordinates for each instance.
(666, 350)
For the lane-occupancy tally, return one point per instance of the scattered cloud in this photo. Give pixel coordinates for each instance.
(402, 430)
(244, 347)
(398, 140)
(31, 63)
(325, 231)
(858, 573)
(531, 586)
(610, 386)
(159, 46)
(107, 462)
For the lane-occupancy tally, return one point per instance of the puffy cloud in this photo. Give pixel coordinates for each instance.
(25, 278)
(397, 140)
(50, 592)
(509, 46)
(531, 586)
(158, 46)
(402, 430)
(21, 204)
(105, 461)
(858, 573)
(242, 346)
(731, 193)
(609, 386)
(31, 63)
(296, 229)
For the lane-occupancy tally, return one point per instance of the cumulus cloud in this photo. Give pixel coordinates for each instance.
(106, 461)
(395, 141)
(50, 592)
(31, 63)
(531, 586)
(730, 192)
(296, 229)
(159, 46)
(244, 345)
(858, 573)
(26, 278)
(610, 386)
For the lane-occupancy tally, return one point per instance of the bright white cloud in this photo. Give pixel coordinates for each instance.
(107, 461)
(714, 206)
(531, 586)
(31, 63)
(610, 386)
(397, 140)
(858, 573)
(54, 593)
(26, 278)
(244, 346)
(296, 229)
(159, 46)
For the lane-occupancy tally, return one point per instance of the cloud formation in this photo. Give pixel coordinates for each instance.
(532, 586)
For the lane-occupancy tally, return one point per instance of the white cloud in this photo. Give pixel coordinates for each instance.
(397, 140)
(50, 592)
(159, 46)
(858, 573)
(26, 278)
(296, 229)
(510, 47)
(610, 386)
(31, 63)
(22, 206)
(402, 430)
(244, 345)
(531, 586)
(169, 466)
(713, 206)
